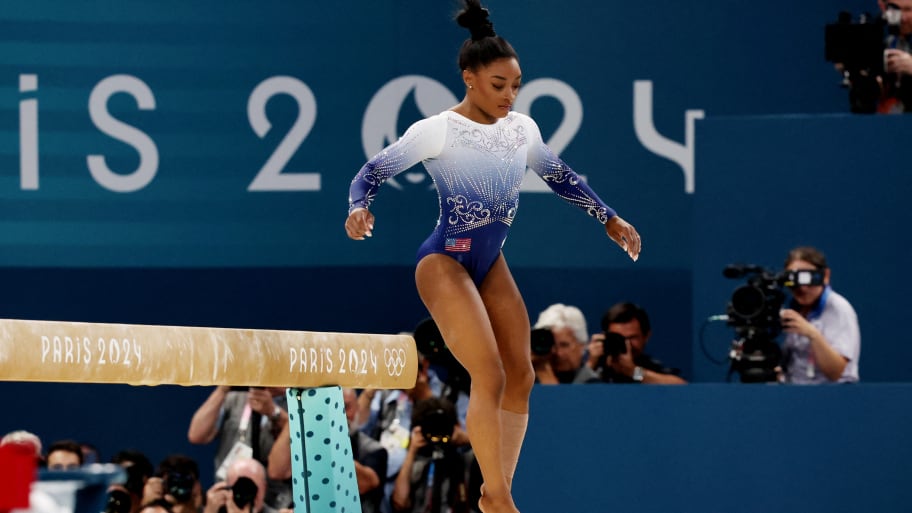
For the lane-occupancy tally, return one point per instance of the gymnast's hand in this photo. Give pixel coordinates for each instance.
(625, 235)
(360, 224)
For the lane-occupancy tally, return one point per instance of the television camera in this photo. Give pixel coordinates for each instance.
(753, 313)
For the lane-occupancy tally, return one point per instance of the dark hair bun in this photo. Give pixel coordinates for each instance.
(475, 18)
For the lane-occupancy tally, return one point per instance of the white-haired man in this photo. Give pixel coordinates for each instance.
(564, 364)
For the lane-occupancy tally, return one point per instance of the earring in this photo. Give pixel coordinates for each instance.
(471, 86)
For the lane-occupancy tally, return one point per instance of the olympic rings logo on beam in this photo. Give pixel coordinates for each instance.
(395, 361)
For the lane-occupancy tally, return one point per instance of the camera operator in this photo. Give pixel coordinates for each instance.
(823, 341)
(564, 363)
(626, 331)
(243, 491)
(434, 476)
(876, 86)
(898, 61)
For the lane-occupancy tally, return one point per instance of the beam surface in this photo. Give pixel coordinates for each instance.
(136, 354)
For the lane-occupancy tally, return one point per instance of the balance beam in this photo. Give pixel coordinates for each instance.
(136, 354)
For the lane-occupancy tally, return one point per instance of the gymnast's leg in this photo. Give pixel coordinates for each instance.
(455, 304)
(510, 321)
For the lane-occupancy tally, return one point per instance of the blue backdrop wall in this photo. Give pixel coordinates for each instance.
(188, 163)
(212, 138)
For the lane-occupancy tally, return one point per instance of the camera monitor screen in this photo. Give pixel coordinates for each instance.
(803, 277)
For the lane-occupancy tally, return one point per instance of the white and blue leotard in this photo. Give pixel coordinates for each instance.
(477, 169)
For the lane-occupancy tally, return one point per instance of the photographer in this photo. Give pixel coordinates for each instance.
(176, 481)
(563, 363)
(823, 341)
(138, 469)
(619, 354)
(878, 73)
(897, 84)
(433, 477)
(389, 413)
(243, 421)
(243, 491)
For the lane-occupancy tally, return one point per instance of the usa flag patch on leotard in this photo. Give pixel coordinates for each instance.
(460, 245)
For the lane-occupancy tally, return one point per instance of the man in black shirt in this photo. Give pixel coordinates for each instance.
(621, 359)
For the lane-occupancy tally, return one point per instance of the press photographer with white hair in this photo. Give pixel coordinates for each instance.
(564, 363)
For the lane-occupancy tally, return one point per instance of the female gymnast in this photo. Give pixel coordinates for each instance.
(477, 153)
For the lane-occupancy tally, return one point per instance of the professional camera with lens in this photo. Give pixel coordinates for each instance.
(542, 341)
(119, 501)
(858, 44)
(437, 418)
(613, 346)
(753, 312)
(437, 426)
(243, 493)
(180, 485)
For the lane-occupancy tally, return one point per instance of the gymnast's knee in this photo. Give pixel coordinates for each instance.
(489, 378)
(520, 377)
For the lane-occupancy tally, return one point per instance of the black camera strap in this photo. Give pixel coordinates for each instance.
(256, 420)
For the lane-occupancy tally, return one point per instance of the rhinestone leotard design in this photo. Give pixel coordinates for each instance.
(477, 170)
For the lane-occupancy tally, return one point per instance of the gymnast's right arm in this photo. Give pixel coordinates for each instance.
(423, 140)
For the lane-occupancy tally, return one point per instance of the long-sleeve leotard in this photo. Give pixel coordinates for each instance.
(477, 170)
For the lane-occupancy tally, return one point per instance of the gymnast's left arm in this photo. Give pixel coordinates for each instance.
(571, 188)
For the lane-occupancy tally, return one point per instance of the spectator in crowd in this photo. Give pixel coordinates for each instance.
(245, 423)
(243, 490)
(625, 359)
(64, 455)
(823, 341)
(565, 362)
(434, 475)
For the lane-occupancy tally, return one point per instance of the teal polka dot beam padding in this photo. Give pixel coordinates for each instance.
(322, 466)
